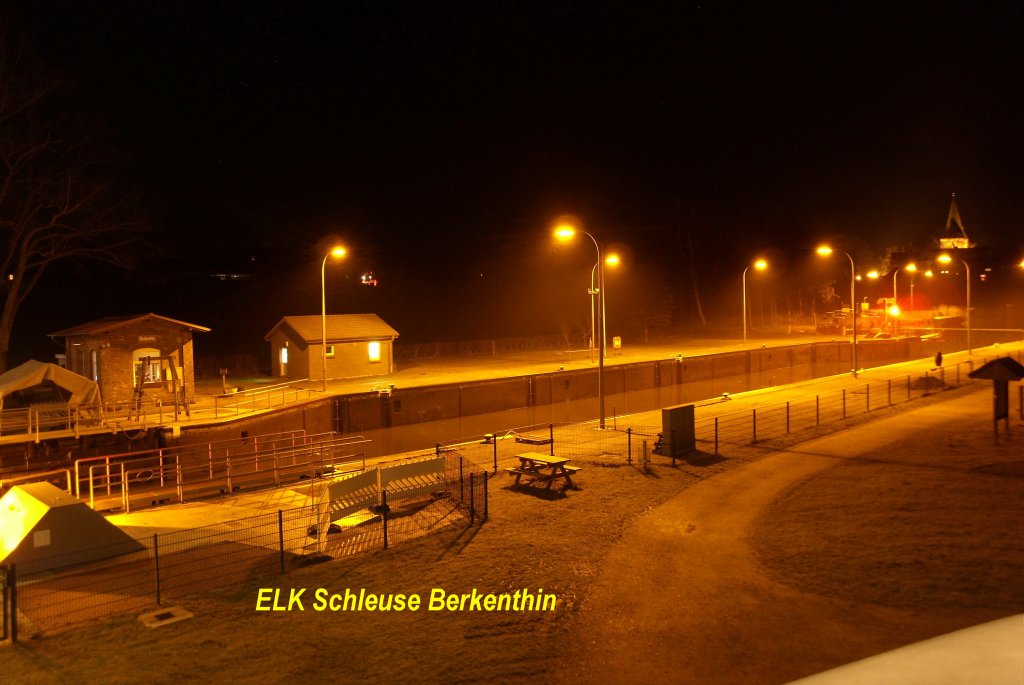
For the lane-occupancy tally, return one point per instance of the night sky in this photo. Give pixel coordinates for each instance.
(440, 139)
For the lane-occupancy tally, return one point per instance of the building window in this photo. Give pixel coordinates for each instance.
(329, 351)
(374, 349)
(284, 355)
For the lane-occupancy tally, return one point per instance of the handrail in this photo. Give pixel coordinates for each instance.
(7, 483)
(236, 471)
(197, 448)
(274, 395)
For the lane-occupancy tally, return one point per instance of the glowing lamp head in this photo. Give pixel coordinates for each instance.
(824, 250)
(565, 232)
(928, 273)
(944, 259)
(872, 274)
(911, 268)
(761, 264)
(338, 252)
(613, 260)
(894, 310)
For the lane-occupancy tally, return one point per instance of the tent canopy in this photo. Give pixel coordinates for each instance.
(33, 373)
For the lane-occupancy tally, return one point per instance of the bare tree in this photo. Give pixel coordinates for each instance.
(54, 202)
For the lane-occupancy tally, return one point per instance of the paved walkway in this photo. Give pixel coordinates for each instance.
(682, 598)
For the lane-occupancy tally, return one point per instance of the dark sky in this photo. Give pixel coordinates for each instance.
(440, 138)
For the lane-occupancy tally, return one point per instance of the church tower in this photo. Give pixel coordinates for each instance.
(955, 236)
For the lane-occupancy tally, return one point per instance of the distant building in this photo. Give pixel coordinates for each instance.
(121, 354)
(357, 345)
(955, 235)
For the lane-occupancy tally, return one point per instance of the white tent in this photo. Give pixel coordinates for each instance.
(42, 527)
(33, 373)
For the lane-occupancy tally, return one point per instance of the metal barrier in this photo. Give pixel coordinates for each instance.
(776, 420)
(159, 456)
(47, 476)
(176, 477)
(180, 482)
(249, 401)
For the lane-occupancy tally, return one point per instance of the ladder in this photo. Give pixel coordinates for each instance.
(177, 388)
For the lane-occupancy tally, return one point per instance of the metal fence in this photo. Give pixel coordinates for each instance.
(627, 441)
(126, 481)
(46, 595)
(784, 418)
(248, 401)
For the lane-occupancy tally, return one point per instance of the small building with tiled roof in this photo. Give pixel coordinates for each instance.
(123, 353)
(356, 345)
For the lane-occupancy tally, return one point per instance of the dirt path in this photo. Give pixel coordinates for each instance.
(683, 599)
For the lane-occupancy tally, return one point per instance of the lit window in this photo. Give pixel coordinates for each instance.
(284, 355)
(374, 349)
(329, 351)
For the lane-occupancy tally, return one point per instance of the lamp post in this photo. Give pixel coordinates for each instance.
(337, 252)
(610, 260)
(825, 251)
(564, 232)
(911, 268)
(760, 265)
(946, 259)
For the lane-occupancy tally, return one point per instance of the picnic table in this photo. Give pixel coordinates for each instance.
(542, 468)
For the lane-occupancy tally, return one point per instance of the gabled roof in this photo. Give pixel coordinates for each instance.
(340, 328)
(111, 323)
(1002, 369)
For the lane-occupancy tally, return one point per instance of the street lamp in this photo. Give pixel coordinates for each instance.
(910, 268)
(337, 252)
(825, 251)
(760, 265)
(566, 232)
(610, 260)
(946, 259)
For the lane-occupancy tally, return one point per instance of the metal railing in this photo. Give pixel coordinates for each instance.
(750, 426)
(158, 457)
(625, 439)
(55, 476)
(42, 418)
(248, 401)
(180, 481)
(180, 475)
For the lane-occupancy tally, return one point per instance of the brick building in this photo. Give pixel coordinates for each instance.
(118, 352)
(357, 345)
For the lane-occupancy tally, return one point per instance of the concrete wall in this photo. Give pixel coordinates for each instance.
(416, 418)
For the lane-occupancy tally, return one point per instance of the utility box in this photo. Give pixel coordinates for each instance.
(678, 430)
